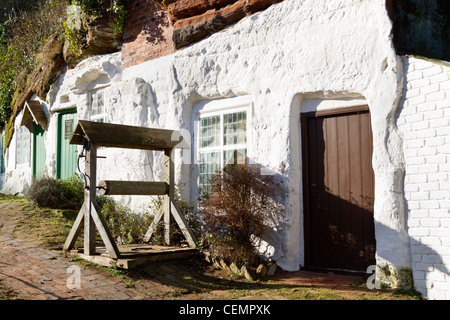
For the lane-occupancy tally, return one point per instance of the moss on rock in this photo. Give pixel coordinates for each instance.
(396, 278)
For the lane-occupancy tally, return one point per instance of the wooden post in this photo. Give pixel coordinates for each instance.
(183, 224)
(153, 225)
(168, 177)
(103, 229)
(76, 230)
(91, 174)
(90, 215)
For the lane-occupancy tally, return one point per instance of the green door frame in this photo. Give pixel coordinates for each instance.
(59, 140)
(37, 129)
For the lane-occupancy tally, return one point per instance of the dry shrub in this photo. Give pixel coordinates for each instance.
(242, 206)
(176, 235)
(57, 193)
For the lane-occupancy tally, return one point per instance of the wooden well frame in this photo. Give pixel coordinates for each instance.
(92, 135)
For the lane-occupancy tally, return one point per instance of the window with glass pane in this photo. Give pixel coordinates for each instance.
(238, 156)
(22, 145)
(98, 109)
(234, 128)
(210, 132)
(222, 141)
(209, 165)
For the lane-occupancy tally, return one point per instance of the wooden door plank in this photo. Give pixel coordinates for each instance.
(310, 186)
(368, 189)
(345, 234)
(356, 187)
(332, 187)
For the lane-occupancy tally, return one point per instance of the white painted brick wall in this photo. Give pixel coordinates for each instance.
(425, 123)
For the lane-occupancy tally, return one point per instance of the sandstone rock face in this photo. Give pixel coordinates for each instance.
(100, 37)
(195, 20)
(92, 35)
(157, 28)
(147, 33)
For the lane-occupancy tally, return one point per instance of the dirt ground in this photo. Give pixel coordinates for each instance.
(33, 267)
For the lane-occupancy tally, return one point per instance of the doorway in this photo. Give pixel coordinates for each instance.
(338, 188)
(39, 153)
(67, 155)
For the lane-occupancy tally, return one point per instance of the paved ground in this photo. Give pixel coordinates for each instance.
(41, 274)
(30, 270)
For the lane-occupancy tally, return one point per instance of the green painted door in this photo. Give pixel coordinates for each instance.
(39, 153)
(67, 155)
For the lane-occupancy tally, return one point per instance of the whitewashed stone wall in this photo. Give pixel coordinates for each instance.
(425, 122)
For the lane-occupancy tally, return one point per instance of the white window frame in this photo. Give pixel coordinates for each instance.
(25, 159)
(101, 116)
(214, 108)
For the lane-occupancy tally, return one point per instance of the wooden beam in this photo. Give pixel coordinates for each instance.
(33, 112)
(89, 196)
(183, 224)
(75, 231)
(38, 113)
(168, 177)
(115, 187)
(154, 225)
(103, 229)
(124, 136)
(78, 139)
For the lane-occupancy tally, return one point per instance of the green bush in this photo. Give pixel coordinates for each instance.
(125, 225)
(73, 191)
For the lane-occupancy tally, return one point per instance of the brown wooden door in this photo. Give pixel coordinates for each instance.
(338, 190)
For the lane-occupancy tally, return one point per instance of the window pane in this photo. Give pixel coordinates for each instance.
(235, 128)
(218, 133)
(237, 156)
(209, 165)
(22, 145)
(210, 132)
(98, 109)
